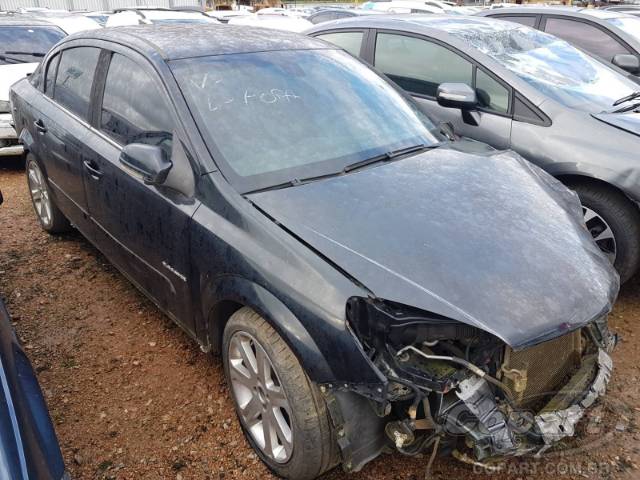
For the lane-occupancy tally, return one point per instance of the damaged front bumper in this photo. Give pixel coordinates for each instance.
(558, 424)
(480, 398)
(9, 143)
(499, 431)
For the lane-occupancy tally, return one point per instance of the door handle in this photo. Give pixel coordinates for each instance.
(92, 169)
(39, 124)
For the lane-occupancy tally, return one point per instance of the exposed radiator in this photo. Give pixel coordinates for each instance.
(534, 372)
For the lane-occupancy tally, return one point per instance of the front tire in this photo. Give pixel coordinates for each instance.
(283, 415)
(51, 219)
(614, 222)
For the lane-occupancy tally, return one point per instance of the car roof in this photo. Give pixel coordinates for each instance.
(173, 42)
(23, 20)
(577, 12)
(424, 23)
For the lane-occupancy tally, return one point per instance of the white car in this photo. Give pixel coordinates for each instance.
(224, 16)
(405, 6)
(276, 22)
(410, 6)
(148, 16)
(24, 41)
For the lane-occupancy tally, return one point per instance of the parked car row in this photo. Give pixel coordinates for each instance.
(371, 276)
(24, 41)
(517, 88)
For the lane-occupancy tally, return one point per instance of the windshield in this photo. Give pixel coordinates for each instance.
(22, 44)
(629, 25)
(552, 66)
(273, 117)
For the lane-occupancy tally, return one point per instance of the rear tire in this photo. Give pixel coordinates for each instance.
(249, 340)
(618, 213)
(51, 219)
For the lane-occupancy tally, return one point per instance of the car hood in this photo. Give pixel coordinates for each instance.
(10, 74)
(488, 240)
(625, 121)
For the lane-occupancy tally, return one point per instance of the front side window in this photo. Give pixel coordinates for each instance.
(24, 44)
(419, 66)
(134, 109)
(275, 117)
(349, 41)
(491, 94)
(585, 36)
(75, 79)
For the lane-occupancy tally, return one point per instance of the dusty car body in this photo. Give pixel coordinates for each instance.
(403, 287)
(530, 92)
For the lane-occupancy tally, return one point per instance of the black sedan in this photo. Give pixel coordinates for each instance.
(367, 283)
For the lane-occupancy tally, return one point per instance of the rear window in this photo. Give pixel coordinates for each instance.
(21, 44)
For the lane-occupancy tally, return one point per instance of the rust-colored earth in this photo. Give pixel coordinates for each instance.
(132, 397)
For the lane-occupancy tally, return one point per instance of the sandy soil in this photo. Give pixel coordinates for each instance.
(132, 397)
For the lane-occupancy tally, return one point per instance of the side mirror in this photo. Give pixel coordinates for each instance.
(628, 63)
(148, 160)
(456, 95)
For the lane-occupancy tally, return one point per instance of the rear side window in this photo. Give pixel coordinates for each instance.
(585, 36)
(19, 44)
(349, 41)
(134, 108)
(50, 75)
(420, 66)
(526, 20)
(75, 78)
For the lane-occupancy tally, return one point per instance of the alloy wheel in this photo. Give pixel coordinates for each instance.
(261, 400)
(39, 193)
(601, 233)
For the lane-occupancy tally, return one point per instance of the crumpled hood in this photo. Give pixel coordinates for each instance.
(10, 74)
(491, 241)
(626, 121)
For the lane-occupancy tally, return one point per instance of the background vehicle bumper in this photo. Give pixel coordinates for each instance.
(9, 145)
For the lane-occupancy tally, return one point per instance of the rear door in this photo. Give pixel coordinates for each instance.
(142, 228)
(61, 124)
(420, 65)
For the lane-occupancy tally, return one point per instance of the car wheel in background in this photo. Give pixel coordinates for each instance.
(281, 411)
(614, 222)
(50, 217)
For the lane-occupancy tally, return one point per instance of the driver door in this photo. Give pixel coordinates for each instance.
(142, 228)
(419, 66)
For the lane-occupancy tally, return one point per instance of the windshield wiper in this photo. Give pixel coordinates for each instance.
(9, 56)
(354, 166)
(385, 157)
(622, 100)
(627, 108)
(31, 54)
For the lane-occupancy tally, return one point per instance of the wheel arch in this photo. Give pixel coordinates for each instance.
(570, 179)
(227, 294)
